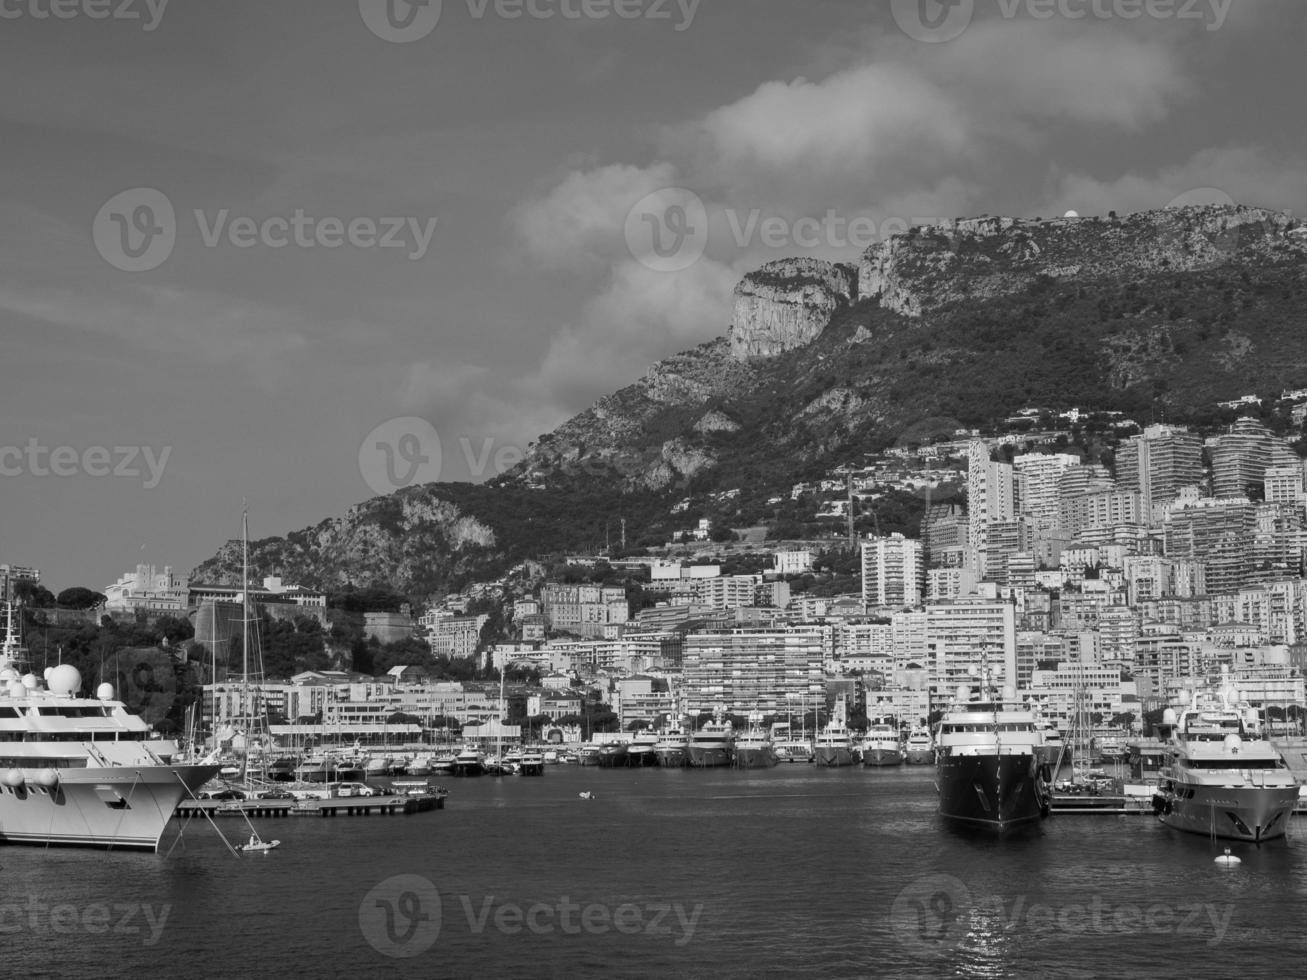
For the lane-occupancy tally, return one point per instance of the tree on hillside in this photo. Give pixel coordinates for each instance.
(79, 598)
(34, 595)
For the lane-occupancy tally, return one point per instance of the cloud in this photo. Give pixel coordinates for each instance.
(577, 225)
(844, 125)
(429, 383)
(640, 317)
(1251, 175)
(1038, 72)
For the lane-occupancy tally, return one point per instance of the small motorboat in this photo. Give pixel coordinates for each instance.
(587, 795)
(255, 844)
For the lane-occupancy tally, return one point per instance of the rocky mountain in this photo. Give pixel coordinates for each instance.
(964, 319)
(1157, 313)
(412, 539)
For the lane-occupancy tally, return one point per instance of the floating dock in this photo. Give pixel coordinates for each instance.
(1106, 805)
(1118, 805)
(351, 806)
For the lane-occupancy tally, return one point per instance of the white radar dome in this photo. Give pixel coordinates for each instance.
(1232, 743)
(30, 682)
(7, 675)
(1071, 214)
(65, 680)
(1168, 716)
(104, 692)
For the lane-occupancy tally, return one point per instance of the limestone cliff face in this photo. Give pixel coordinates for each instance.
(715, 421)
(786, 304)
(929, 268)
(408, 539)
(612, 439)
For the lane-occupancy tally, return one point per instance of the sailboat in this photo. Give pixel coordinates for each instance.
(247, 709)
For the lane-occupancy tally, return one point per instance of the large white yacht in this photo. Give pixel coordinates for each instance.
(883, 745)
(834, 743)
(672, 750)
(754, 749)
(78, 770)
(712, 745)
(919, 749)
(1223, 779)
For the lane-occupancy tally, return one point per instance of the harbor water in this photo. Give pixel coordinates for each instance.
(786, 872)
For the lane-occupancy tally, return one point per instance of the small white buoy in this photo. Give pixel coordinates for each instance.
(1227, 859)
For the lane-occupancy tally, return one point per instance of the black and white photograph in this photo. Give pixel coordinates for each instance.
(679, 489)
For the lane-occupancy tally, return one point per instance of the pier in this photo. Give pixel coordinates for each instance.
(1118, 805)
(350, 806)
(1108, 805)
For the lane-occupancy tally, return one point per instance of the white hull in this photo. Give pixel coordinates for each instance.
(1233, 813)
(127, 807)
(833, 755)
(882, 756)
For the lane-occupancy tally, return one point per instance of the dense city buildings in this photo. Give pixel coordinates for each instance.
(1062, 576)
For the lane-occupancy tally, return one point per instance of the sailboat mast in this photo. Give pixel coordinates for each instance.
(213, 657)
(245, 601)
(245, 637)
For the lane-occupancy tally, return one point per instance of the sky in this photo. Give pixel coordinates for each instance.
(300, 253)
